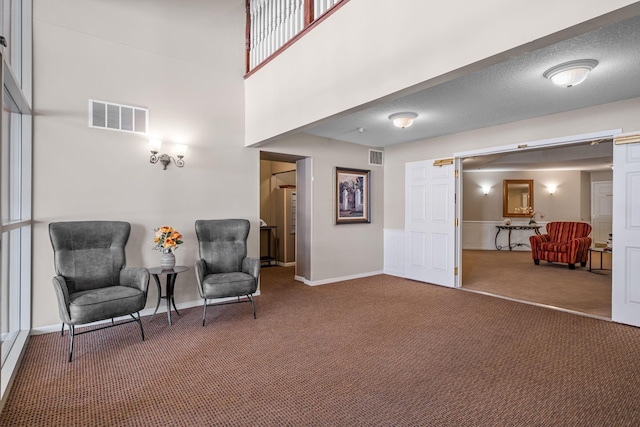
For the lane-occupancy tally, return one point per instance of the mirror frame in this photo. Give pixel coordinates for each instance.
(505, 198)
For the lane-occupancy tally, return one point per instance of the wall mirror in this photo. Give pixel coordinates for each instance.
(517, 198)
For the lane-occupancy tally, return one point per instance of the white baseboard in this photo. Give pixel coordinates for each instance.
(286, 264)
(336, 279)
(146, 312)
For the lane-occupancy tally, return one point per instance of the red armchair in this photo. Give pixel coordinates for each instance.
(566, 242)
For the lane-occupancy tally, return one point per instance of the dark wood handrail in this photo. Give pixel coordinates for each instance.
(310, 22)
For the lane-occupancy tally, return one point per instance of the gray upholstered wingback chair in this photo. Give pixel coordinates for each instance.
(223, 268)
(91, 281)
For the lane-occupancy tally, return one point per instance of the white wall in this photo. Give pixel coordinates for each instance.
(345, 250)
(602, 176)
(564, 205)
(370, 49)
(623, 115)
(184, 61)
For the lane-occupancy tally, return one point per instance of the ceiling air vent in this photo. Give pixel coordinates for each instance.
(125, 118)
(375, 157)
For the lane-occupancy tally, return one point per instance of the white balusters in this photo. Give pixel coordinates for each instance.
(275, 22)
(321, 6)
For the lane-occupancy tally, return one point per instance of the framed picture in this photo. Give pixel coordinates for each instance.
(352, 196)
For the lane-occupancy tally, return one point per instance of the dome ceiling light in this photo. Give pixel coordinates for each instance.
(403, 120)
(570, 73)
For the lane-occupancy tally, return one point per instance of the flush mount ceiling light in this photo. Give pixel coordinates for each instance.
(402, 120)
(570, 73)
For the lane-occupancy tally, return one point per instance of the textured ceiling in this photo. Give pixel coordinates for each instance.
(506, 92)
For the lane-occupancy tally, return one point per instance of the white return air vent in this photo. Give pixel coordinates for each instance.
(375, 157)
(106, 115)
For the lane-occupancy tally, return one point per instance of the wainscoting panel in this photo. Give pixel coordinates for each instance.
(478, 235)
(394, 252)
(481, 235)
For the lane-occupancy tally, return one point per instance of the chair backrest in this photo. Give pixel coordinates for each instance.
(563, 231)
(222, 243)
(89, 254)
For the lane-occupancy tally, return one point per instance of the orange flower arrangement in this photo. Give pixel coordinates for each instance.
(166, 239)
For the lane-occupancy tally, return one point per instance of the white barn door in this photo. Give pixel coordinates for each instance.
(429, 222)
(625, 301)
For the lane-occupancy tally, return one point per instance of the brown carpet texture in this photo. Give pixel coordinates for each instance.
(514, 275)
(378, 351)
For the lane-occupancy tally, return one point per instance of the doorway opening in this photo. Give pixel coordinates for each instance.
(564, 175)
(283, 182)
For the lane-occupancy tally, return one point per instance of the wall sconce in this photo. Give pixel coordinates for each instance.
(402, 120)
(570, 73)
(485, 189)
(165, 159)
(551, 189)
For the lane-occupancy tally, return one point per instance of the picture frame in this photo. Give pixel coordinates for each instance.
(352, 196)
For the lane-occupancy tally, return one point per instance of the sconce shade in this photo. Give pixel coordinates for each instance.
(181, 150)
(154, 145)
(403, 120)
(485, 189)
(552, 189)
(570, 73)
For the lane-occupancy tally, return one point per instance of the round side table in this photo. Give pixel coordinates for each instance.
(170, 281)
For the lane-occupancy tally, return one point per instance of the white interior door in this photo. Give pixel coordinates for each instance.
(429, 222)
(625, 301)
(601, 210)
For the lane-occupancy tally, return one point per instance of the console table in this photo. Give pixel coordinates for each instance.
(509, 228)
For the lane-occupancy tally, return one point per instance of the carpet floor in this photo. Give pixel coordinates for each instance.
(377, 351)
(514, 275)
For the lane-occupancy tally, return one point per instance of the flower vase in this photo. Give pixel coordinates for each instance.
(167, 260)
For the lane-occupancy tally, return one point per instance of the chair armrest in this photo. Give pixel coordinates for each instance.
(535, 241)
(137, 277)
(201, 269)
(540, 238)
(251, 266)
(579, 245)
(62, 294)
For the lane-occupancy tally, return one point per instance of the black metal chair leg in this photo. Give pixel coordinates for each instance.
(204, 314)
(62, 331)
(139, 320)
(72, 331)
(253, 306)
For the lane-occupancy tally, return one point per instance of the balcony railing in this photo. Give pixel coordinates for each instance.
(272, 25)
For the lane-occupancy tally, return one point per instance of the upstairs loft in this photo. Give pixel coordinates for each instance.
(273, 25)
